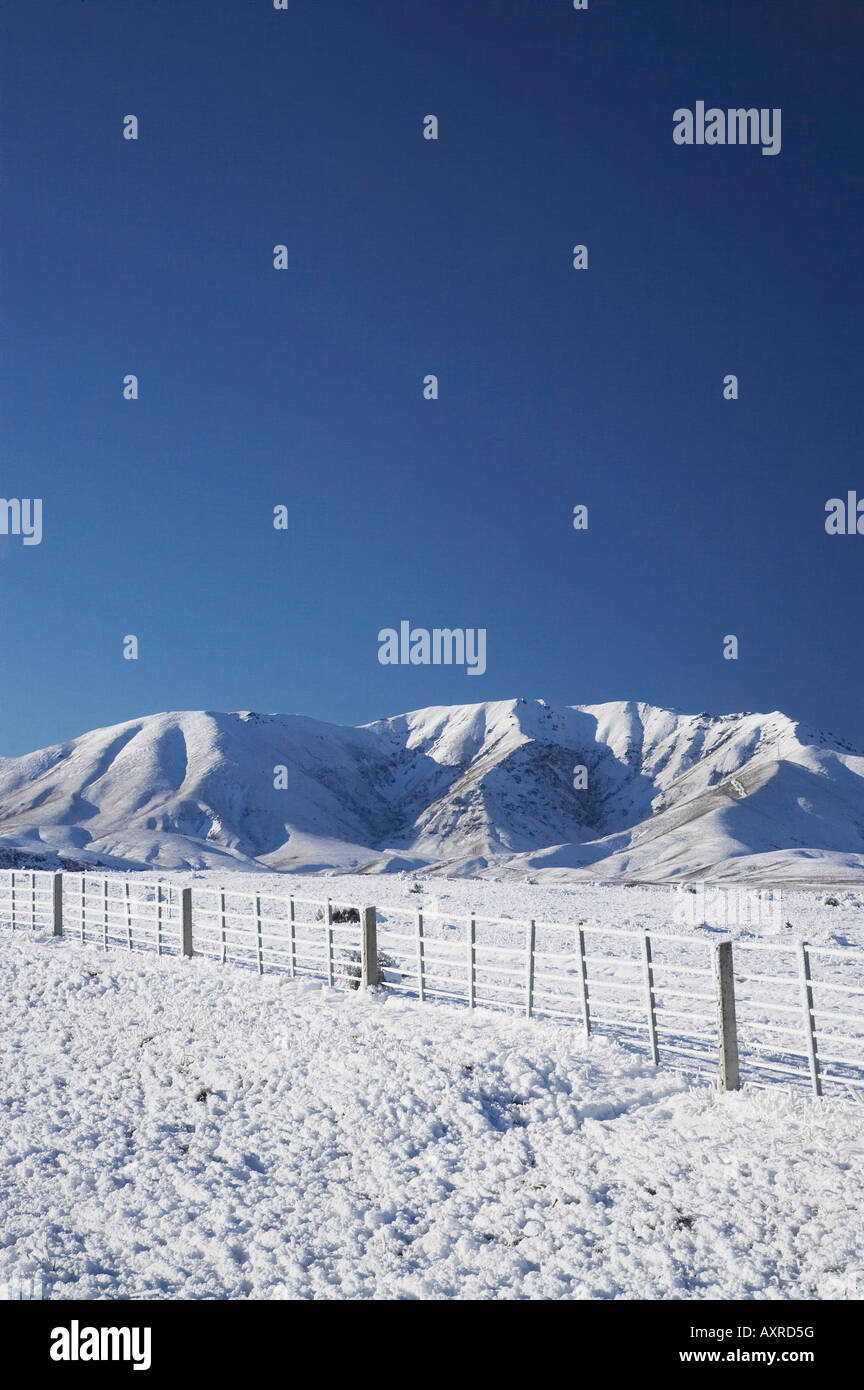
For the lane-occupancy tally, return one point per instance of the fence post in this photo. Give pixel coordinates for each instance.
(58, 904)
(128, 901)
(809, 1020)
(583, 981)
(529, 969)
(649, 998)
(368, 948)
(186, 919)
(421, 980)
(472, 960)
(259, 940)
(727, 1033)
(329, 920)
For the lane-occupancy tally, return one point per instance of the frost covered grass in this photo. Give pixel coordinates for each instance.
(173, 1129)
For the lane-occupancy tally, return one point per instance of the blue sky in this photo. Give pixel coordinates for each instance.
(407, 256)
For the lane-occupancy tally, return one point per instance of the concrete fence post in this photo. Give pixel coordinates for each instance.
(421, 960)
(58, 904)
(368, 948)
(809, 1017)
(259, 934)
(650, 998)
(530, 945)
(328, 917)
(583, 982)
(186, 919)
(727, 1032)
(471, 938)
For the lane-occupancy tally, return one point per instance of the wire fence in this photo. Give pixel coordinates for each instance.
(788, 1012)
(272, 932)
(796, 1009)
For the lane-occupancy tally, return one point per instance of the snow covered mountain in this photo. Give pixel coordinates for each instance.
(491, 789)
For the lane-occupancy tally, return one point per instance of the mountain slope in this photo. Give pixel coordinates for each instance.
(486, 788)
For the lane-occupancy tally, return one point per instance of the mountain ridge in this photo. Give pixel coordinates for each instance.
(491, 788)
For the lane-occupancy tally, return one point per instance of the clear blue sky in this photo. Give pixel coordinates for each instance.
(303, 387)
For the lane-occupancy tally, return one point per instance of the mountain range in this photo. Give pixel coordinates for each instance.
(622, 790)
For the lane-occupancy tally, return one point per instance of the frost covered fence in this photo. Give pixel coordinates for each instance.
(300, 936)
(96, 910)
(744, 1011)
(633, 985)
(687, 1001)
(27, 899)
(266, 931)
(119, 912)
(801, 1011)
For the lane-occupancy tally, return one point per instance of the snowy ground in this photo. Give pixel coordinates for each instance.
(176, 1129)
(651, 906)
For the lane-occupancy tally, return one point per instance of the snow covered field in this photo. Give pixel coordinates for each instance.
(600, 903)
(177, 1129)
